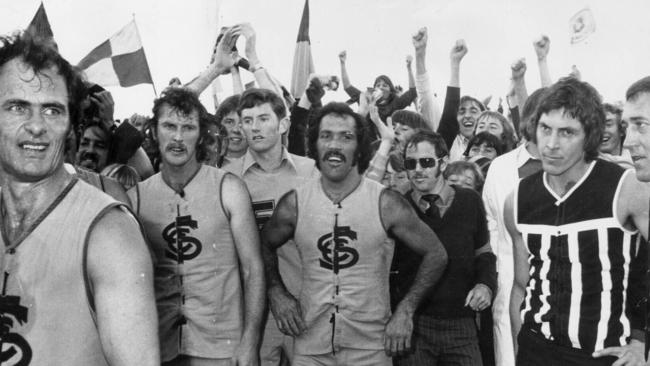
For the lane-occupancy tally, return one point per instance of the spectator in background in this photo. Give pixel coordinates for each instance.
(611, 148)
(498, 125)
(485, 145)
(464, 174)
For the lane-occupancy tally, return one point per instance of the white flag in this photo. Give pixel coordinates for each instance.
(582, 25)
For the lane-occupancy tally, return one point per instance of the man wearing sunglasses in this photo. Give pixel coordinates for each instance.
(342, 224)
(445, 331)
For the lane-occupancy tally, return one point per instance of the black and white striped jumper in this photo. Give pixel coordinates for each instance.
(579, 255)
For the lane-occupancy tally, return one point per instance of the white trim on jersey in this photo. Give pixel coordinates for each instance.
(559, 199)
(576, 288)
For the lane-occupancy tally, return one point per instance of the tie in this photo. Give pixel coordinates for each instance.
(433, 211)
(530, 167)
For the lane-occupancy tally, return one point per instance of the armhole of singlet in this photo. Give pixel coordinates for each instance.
(101, 182)
(223, 208)
(619, 186)
(87, 283)
(137, 197)
(515, 205)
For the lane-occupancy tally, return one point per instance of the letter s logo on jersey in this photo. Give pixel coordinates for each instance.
(14, 349)
(336, 254)
(181, 246)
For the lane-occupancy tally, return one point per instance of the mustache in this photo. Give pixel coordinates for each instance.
(333, 153)
(89, 156)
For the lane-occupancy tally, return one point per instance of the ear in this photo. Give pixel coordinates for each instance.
(443, 163)
(285, 123)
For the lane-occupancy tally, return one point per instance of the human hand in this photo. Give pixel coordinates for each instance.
(386, 131)
(458, 51)
(343, 56)
(629, 355)
(247, 31)
(575, 73)
(286, 311)
(397, 336)
(518, 69)
(420, 39)
(479, 298)
(542, 46)
(105, 107)
(224, 58)
(246, 354)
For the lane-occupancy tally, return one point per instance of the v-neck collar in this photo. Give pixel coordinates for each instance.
(558, 199)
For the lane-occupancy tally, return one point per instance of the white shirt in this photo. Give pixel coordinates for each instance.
(501, 180)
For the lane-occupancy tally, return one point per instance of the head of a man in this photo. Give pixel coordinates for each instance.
(484, 144)
(180, 125)
(614, 132)
(528, 111)
(406, 124)
(40, 94)
(339, 142)
(227, 117)
(569, 126)
(464, 174)
(498, 125)
(263, 118)
(636, 113)
(94, 145)
(469, 109)
(425, 158)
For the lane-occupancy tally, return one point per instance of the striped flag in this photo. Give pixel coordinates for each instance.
(118, 61)
(40, 27)
(303, 64)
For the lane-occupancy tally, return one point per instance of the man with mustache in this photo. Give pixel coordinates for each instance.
(577, 296)
(269, 172)
(209, 275)
(342, 224)
(445, 332)
(77, 275)
(94, 143)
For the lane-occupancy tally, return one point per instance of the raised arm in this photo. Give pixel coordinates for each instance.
(277, 231)
(448, 127)
(429, 107)
(237, 204)
(345, 78)
(121, 274)
(520, 256)
(518, 94)
(402, 222)
(237, 86)
(456, 56)
(223, 60)
(377, 167)
(542, 45)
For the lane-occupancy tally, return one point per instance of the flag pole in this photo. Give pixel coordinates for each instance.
(153, 86)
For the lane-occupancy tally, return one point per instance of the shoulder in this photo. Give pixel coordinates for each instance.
(393, 206)
(633, 193)
(305, 167)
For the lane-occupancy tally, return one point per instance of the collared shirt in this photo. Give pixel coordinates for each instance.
(233, 165)
(501, 180)
(446, 199)
(458, 148)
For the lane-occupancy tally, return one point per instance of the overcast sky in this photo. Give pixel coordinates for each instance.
(178, 37)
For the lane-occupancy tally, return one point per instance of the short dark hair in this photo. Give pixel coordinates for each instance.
(528, 110)
(184, 102)
(431, 137)
(460, 166)
(363, 154)
(486, 138)
(580, 101)
(467, 98)
(509, 136)
(40, 55)
(226, 107)
(639, 87)
(255, 96)
(411, 119)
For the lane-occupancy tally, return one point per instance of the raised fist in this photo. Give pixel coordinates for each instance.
(542, 45)
(420, 39)
(518, 68)
(458, 51)
(343, 56)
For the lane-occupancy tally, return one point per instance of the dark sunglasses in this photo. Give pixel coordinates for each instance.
(410, 164)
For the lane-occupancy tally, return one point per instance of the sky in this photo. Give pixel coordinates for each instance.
(178, 38)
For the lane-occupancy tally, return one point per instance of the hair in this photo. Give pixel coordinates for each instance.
(467, 98)
(485, 138)
(184, 102)
(460, 167)
(412, 119)
(124, 174)
(226, 107)
(639, 87)
(254, 97)
(41, 55)
(618, 112)
(581, 101)
(434, 138)
(387, 80)
(363, 138)
(509, 136)
(526, 127)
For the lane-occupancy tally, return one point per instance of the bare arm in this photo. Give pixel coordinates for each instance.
(377, 167)
(518, 83)
(542, 46)
(633, 203)
(237, 86)
(242, 224)
(455, 56)
(121, 273)
(141, 163)
(402, 222)
(520, 256)
(114, 189)
(223, 60)
(277, 231)
(345, 79)
(428, 104)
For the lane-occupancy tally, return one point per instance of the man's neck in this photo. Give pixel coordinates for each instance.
(441, 188)
(337, 191)
(562, 184)
(24, 202)
(270, 159)
(177, 177)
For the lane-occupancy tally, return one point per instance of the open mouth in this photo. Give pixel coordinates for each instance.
(177, 149)
(33, 146)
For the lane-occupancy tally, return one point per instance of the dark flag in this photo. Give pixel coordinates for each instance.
(40, 27)
(303, 64)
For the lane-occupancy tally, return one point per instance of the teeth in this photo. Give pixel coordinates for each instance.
(34, 147)
(333, 159)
